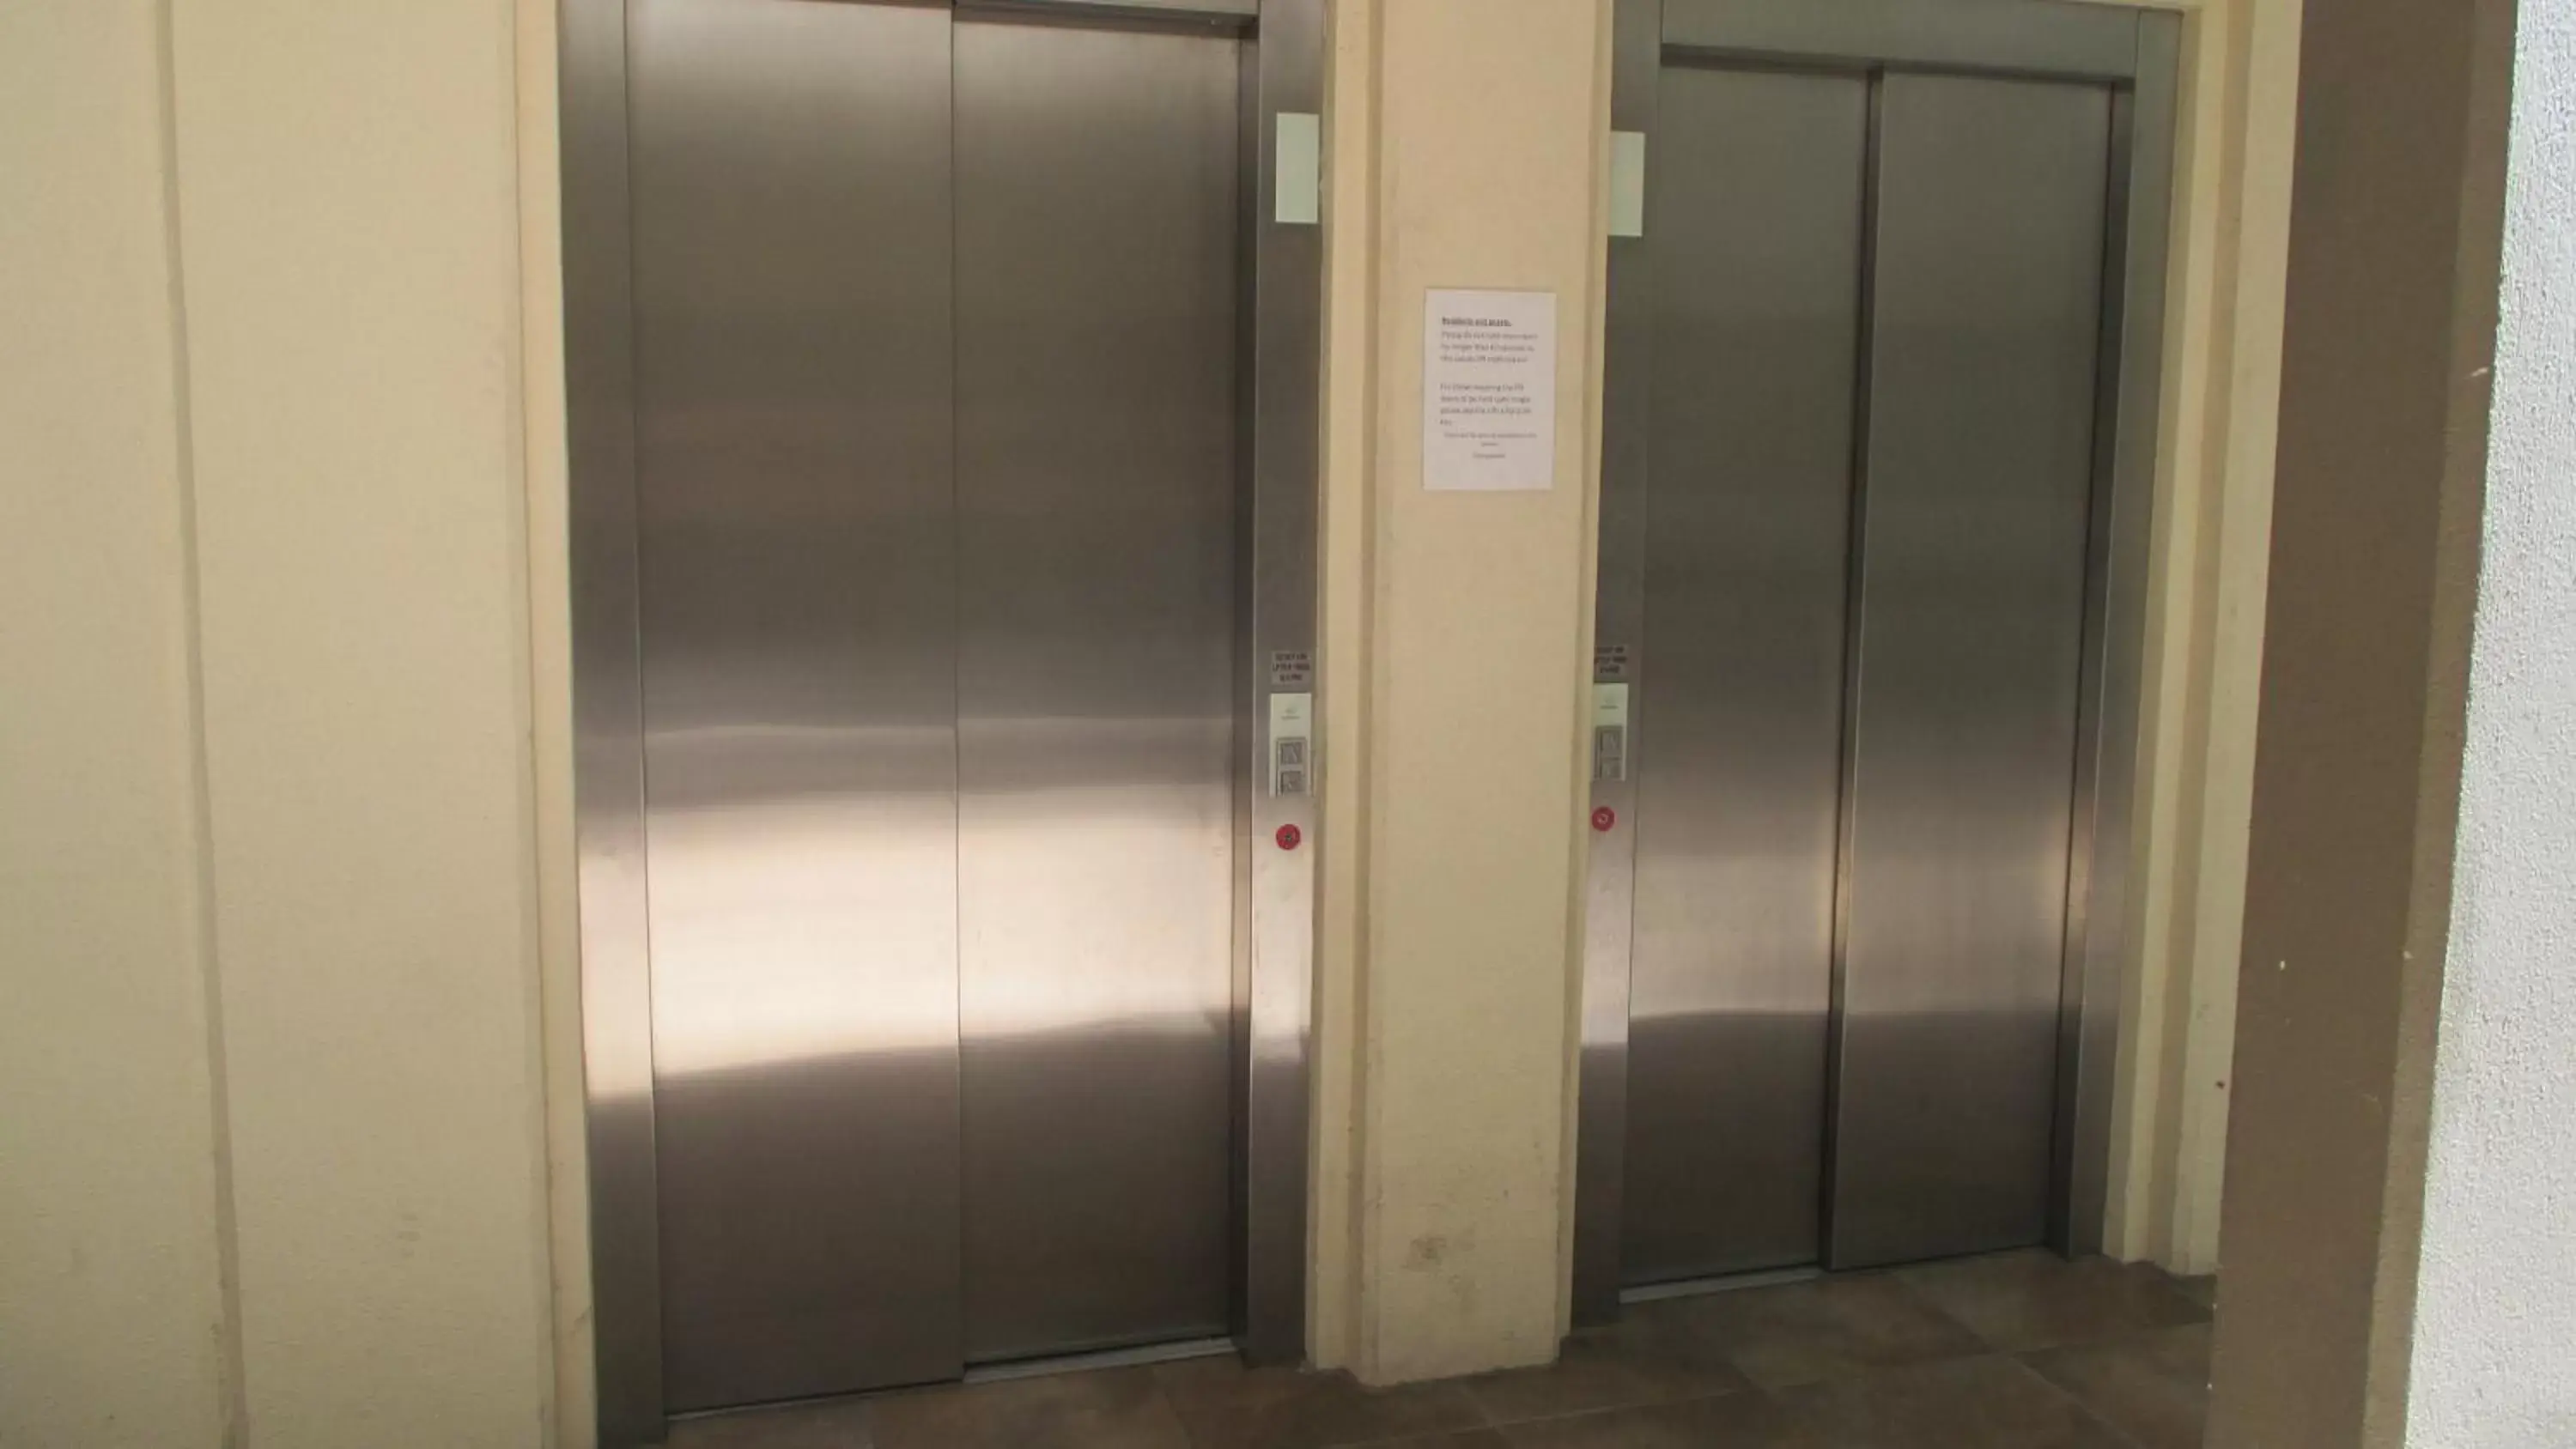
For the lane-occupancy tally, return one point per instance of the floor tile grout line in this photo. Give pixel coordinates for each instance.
(2083, 1409)
(1914, 1294)
(1749, 1388)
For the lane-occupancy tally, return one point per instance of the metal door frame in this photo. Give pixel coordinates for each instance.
(2137, 52)
(1274, 970)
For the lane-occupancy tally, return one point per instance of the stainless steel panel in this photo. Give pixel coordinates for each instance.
(1097, 265)
(1287, 74)
(1756, 233)
(608, 727)
(1619, 606)
(2098, 926)
(791, 237)
(2082, 39)
(1979, 476)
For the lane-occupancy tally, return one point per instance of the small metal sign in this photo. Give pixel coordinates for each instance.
(1292, 669)
(1610, 664)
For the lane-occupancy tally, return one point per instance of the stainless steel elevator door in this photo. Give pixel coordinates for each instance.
(1097, 288)
(1756, 241)
(791, 241)
(1986, 329)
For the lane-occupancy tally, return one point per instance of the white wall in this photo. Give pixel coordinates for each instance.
(2495, 1330)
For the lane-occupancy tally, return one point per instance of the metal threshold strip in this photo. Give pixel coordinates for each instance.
(1723, 1283)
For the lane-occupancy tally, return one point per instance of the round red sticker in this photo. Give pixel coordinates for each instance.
(1289, 836)
(1604, 818)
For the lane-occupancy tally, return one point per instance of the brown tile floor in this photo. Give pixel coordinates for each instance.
(2015, 1351)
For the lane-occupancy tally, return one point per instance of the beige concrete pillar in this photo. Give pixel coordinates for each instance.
(113, 1325)
(2228, 268)
(1467, 142)
(349, 267)
(272, 1164)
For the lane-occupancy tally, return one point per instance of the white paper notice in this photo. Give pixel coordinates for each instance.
(1489, 391)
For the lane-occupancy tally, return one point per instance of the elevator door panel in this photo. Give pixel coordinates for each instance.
(1097, 269)
(791, 235)
(1980, 465)
(1756, 253)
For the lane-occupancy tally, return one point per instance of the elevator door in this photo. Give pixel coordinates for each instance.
(937, 481)
(1756, 244)
(1985, 332)
(1877, 314)
(1096, 283)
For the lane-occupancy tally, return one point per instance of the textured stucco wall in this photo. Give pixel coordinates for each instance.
(2495, 1336)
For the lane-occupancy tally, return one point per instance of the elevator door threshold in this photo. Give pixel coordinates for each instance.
(1779, 1277)
(1722, 1283)
(1138, 1356)
(1108, 1358)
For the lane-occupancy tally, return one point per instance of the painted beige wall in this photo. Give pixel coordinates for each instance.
(1348, 533)
(112, 1326)
(349, 251)
(2205, 648)
(1455, 661)
(549, 562)
(270, 842)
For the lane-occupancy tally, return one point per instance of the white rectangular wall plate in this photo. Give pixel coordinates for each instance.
(1627, 183)
(1297, 191)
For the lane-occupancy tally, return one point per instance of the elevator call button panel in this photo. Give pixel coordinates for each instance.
(1292, 735)
(1609, 732)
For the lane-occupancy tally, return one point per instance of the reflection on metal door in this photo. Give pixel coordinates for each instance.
(1096, 294)
(941, 481)
(1757, 271)
(1976, 491)
(792, 387)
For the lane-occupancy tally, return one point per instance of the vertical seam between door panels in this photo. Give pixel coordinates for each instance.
(1855, 558)
(1247, 743)
(957, 688)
